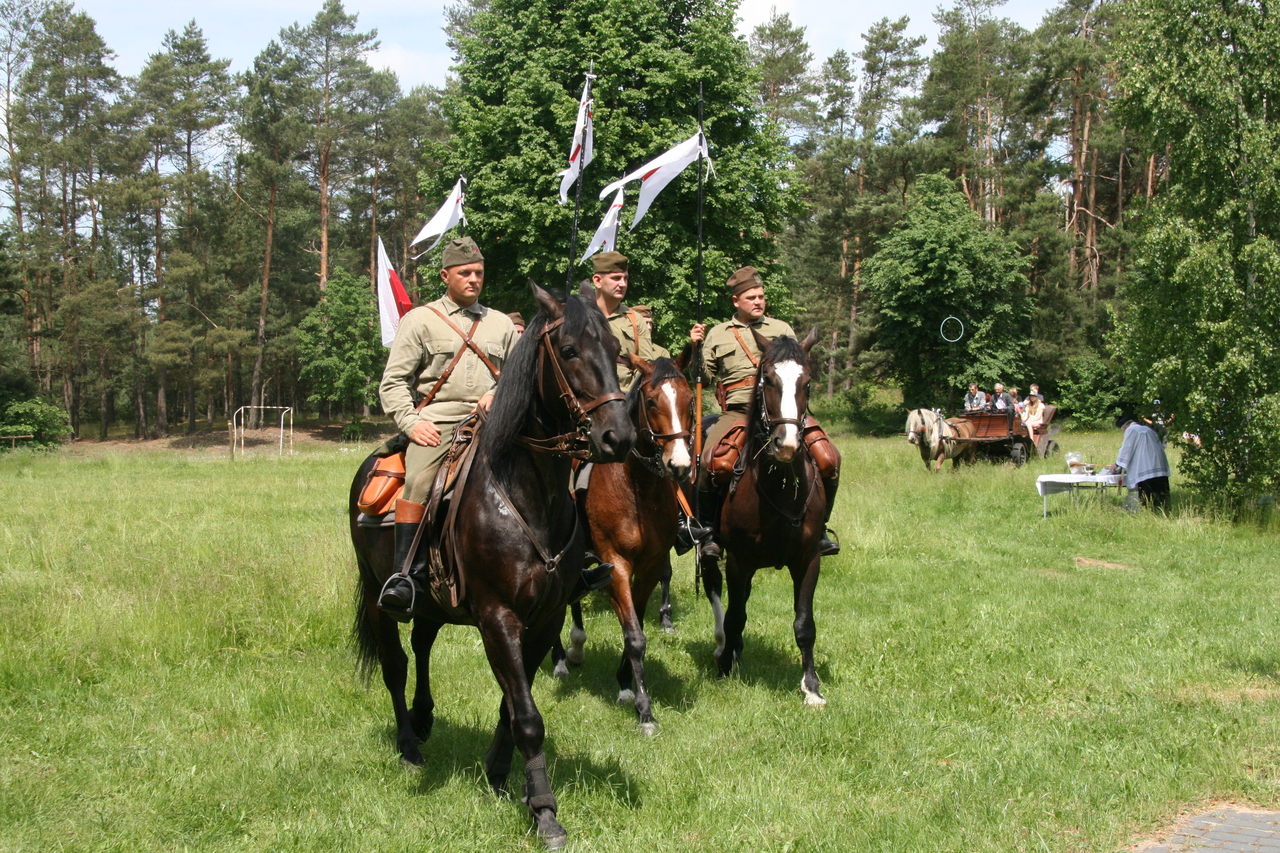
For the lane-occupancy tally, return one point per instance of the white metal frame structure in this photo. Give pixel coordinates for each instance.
(237, 426)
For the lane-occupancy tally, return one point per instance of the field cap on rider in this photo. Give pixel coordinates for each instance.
(607, 262)
(743, 280)
(517, 318)
(463, 250)
(643, 310)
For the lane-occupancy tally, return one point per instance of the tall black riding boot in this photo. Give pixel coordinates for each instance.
(830, 543)
(398, 594)
(710, 505)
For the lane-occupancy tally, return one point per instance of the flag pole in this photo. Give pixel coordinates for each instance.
(697, 356)
(577, 198)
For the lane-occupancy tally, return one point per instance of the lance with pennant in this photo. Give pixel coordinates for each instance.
(581, 153)
(697, 354)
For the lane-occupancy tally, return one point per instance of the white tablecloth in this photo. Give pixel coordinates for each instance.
(1053, 484)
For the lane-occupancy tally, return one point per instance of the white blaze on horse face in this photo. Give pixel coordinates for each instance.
(789, 375)
(676, 453)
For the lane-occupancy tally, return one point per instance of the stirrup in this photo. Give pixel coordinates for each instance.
(829, 545)
(590, 580)
(689, 533)
(397, 613)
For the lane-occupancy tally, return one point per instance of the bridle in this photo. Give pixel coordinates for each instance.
(654, 461)
(577, 442)
(770, 424)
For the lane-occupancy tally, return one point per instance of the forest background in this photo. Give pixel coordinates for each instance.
(1095, 199)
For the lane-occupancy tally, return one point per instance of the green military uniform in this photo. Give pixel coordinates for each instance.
(625, 323)
(422, 351)
(724, 360)
(645, 313)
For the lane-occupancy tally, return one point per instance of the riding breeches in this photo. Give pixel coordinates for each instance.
(422, 463)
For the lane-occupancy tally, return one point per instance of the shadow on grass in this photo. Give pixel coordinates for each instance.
(1268, 667)
(765, 663)
(460, 749)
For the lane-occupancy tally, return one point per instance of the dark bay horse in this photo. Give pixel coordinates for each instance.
(631, 510)
(517, 541)
(775, 507)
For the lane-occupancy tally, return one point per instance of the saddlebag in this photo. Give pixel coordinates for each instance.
(383, 486)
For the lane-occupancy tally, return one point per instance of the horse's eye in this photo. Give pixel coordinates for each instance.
(651, 403)
(568, 352)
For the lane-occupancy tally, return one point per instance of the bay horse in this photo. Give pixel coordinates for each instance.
(631, 511)
(517, 540)
(773, 514)
(940, 440)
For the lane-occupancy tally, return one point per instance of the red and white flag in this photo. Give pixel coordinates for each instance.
(580, 153)
(606, 239)
(660, 171)
(449, 215)
(393, 301)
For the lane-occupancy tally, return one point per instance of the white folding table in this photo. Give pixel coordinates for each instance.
(1053, 484)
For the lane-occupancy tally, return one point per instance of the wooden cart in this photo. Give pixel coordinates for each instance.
(1003, 434)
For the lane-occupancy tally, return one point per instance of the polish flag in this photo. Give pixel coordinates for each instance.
(660, 171)
(393, 302)
(606, 239)
(449, 215)
(580, 153)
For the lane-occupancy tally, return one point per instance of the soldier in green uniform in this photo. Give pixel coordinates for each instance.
(646, 315)
(610, 281)
(444, 364)
(729, 360)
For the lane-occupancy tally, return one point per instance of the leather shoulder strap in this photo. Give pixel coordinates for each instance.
(467, 341)
(755, 362)
(448, 371)
(635, 332)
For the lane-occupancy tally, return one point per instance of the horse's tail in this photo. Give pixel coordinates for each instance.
(363, 637)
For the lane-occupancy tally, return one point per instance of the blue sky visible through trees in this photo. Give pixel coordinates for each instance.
(413, 43)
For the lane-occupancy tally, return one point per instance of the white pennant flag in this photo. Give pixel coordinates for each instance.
(393, 302)
(580, 153)
(449, 215)
(606, 239)
(660, 171)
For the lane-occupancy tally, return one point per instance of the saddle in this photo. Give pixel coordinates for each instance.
(446, 579)
(722, 461)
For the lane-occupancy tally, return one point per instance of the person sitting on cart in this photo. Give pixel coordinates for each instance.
(1000, 401)
(975, 400)
(1033, 414)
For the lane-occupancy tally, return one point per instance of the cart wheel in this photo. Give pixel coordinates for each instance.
(1018, 453)
(1050, 448)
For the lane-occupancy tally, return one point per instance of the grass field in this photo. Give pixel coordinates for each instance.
(175, 675)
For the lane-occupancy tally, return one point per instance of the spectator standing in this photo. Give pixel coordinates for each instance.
(1142, 459)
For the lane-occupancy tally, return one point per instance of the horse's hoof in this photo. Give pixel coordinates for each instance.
(561, 671)
(814, 700)
(626, 697)
(549, 829)
(575, 656)
(668, 628)
(648, 729)
(412, 757)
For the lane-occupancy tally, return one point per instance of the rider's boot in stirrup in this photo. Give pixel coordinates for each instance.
(830, 543)
(399, 593)
(710, 504)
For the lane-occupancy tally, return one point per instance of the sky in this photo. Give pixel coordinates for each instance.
(413, 41)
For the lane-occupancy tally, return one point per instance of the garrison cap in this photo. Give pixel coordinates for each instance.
(463, 250)
(607, 262)
(643, 310)
(517, 318)
(743, 280)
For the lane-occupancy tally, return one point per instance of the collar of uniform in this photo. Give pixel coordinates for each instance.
(734, 321)
(621, 311)
(451, 307)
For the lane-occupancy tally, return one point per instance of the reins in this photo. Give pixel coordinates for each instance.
(652, 462)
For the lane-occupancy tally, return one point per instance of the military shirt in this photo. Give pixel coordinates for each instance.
(724, 360)
(422, 351)
(620, 323)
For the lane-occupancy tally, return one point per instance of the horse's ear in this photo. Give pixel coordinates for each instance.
(809, 340)
(682, 360)
(637, 363)
(553, 306)
(761, 341)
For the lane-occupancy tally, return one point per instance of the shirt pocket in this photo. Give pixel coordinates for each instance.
(497, 354)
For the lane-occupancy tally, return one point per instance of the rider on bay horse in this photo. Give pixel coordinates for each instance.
(730, 358)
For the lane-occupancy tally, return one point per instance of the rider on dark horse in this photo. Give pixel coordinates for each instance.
(444, 364)
(729, 361)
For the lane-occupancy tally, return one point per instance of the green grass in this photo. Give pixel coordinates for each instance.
(174, 674)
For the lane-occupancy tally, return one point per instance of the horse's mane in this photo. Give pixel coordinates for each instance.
(517, 391)
(663, 369)
(785, 348)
